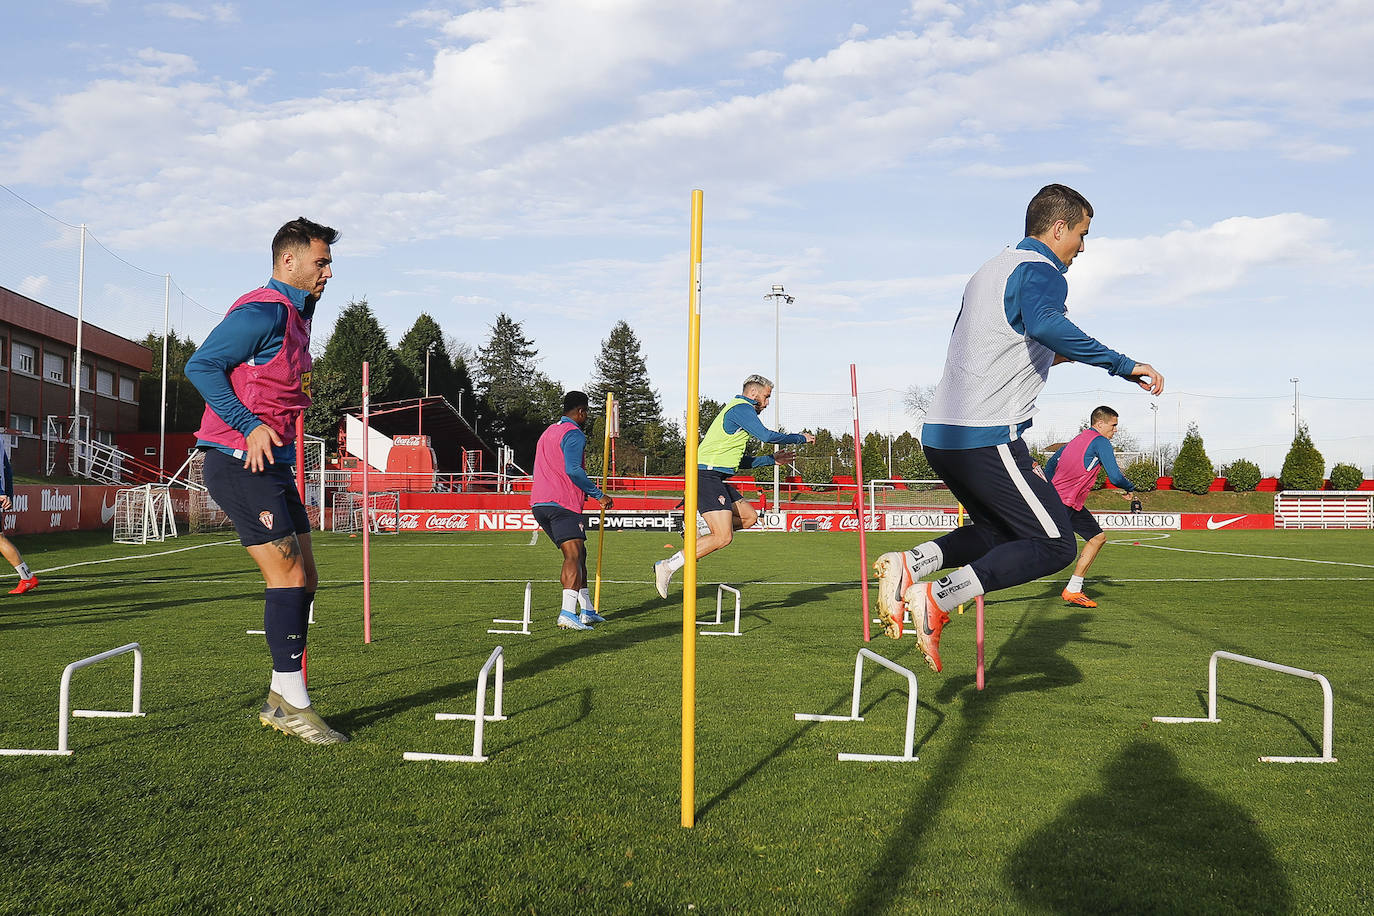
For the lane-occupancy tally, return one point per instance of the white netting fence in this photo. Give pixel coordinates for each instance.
(143, 514)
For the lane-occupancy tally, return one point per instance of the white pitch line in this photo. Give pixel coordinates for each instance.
(534, 538)
(1256, 556)
(139, 556)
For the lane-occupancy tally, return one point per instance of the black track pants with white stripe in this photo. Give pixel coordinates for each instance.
(1020, 529)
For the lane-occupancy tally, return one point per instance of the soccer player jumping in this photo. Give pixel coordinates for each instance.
(1073, 471)
(254, 372)
(1011, 328)
(719, 456)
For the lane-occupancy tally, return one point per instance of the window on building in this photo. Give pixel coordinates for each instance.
(4, 348)
(25, 358)
(55, 367)
(103, 436)
(126, 388)
(21, 423)
(104, 382)
(86, 376)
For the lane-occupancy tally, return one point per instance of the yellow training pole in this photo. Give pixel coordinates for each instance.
(601, 530)
(960, 521)
(689, 525)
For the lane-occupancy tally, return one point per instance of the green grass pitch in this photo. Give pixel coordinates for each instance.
(1049, 792)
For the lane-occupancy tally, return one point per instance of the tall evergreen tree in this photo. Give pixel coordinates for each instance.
(446, 377)
(336, 381)
(518, 399)
(185, 406)
(620, 369)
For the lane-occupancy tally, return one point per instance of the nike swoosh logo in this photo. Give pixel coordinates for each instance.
(1213, 524)
(106, 512)
(298, 655)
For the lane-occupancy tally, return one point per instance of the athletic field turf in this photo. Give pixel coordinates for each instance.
(1050, 792)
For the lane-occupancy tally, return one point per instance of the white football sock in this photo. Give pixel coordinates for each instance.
(584, 599)
(677, 561)
(956, 588)
(290, 686)
(570, 601)
(24, 571)
(925, 559)
(1075, 584)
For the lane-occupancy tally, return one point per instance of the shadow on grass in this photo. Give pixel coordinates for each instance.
(1150, 841)
(841, 705)
(1028, 660)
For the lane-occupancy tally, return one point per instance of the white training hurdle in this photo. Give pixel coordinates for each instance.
(720, 592)
(524, 621)
(497, 659)
(1271, 666)
(64, 702)
(854, 716)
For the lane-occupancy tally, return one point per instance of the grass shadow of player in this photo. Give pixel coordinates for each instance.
(1149, 841)
(1032, 659)
(1028, 660)
(841, 705)
(1298, 727)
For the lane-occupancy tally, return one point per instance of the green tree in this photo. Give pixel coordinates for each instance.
(874, 453)
(336, 381)
(1303, 468)
(185, 406)
(1143, 474)
(1193, 471)
(620, 370)
(448, 374)
(1242, 474)
(915, 466)
(1346, 477)
(518, 400)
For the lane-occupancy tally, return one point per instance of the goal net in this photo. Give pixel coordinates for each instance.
(143, 514)
(382, 512)
(204, 514)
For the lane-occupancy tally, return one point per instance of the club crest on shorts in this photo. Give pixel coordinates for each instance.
(722, 499)
(266, 518)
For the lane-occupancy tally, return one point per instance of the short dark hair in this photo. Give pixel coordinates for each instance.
(1101, 413)
(574, 399)
(298, 233)
(1055, 202)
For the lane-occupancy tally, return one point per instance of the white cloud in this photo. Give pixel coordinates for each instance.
(761, 58)
(1029, 169)
(1188, 266)
(34, 287)
(214, 12)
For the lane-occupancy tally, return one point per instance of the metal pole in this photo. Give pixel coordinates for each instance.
(76, 370)
(1159, 459)
(777, 372)
(166, 313)
(1296, 424)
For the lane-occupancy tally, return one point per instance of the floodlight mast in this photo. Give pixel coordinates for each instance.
(779, 296)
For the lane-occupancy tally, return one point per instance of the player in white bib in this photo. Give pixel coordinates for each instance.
(1011, 328)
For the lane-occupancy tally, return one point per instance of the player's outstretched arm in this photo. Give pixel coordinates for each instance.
(1147, 377)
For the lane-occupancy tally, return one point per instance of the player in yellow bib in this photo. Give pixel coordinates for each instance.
(719, 457)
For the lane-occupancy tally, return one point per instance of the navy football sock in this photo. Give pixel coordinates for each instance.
(284, 619)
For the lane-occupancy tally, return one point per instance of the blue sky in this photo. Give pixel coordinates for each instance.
(537, 158)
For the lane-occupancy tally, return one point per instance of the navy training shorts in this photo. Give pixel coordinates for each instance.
(714, 492)
(1084, 525)
(263, 506)
(560, 524)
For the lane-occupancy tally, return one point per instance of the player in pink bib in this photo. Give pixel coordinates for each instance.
(254, 372)
(1073, 471)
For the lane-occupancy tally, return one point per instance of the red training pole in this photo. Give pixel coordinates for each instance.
(859, 495)
(367, 521)
(979, 603)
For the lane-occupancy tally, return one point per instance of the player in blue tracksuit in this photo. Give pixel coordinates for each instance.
(27, 580)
